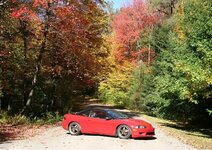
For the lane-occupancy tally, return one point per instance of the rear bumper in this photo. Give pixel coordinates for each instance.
(139, 133)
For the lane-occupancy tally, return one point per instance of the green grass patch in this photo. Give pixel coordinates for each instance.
(13, 120)
(197, 136)
(5, 118)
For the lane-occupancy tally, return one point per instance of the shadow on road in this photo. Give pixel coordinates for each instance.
(206, 132)
(98, 135)
(146, 138)
(8, 132)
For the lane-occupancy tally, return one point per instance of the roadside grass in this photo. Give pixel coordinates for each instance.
(198, 137)
(19, 126)
(15, 120)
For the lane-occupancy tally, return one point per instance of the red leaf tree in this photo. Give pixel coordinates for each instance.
(128, 25)
(62, 41)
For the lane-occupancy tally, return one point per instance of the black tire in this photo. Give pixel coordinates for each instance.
(74, 128)
(124, 132)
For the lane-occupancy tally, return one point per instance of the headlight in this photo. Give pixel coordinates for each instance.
(140, 127)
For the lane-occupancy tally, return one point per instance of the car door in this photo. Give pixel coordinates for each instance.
(84, 121)
(101, 123)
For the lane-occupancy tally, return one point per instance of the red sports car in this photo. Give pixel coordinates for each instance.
(106, 122)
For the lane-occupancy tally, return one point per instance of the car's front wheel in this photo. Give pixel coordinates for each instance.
(74, 128)
(124, 132)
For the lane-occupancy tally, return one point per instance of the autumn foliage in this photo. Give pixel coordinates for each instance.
(53, 52)
(170, 47)
(128, 26)
(149, 55)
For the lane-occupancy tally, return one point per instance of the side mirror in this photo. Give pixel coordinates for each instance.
(108, 118)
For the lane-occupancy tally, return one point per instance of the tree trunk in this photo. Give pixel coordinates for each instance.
(172, 6)
(149, 46)
(24, 32)
(149, 55)
(52, 97)
(39, 60)
(9, 105)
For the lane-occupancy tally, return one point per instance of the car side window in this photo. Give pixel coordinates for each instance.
(84, 113)
(98, 114)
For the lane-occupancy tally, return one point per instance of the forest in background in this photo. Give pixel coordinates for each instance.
(51, 51)
(153, 56)
(162, 59)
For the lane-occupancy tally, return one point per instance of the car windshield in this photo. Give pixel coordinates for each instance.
(116, 114)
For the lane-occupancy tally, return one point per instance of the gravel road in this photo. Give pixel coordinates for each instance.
(56, 138)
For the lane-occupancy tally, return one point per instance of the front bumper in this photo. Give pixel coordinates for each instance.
(146, 132)
(65, 124)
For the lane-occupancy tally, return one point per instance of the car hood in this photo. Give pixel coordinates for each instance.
(138, 122)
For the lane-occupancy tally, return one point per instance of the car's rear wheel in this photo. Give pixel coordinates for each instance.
(124, 132)
(74, 128)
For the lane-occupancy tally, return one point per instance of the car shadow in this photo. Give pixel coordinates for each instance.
(94, 135)
(146, 138)
(114, 137)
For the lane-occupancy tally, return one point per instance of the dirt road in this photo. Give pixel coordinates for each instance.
(56, 138)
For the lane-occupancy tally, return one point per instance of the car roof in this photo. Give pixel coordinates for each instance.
(94, 108)
(97, 108)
